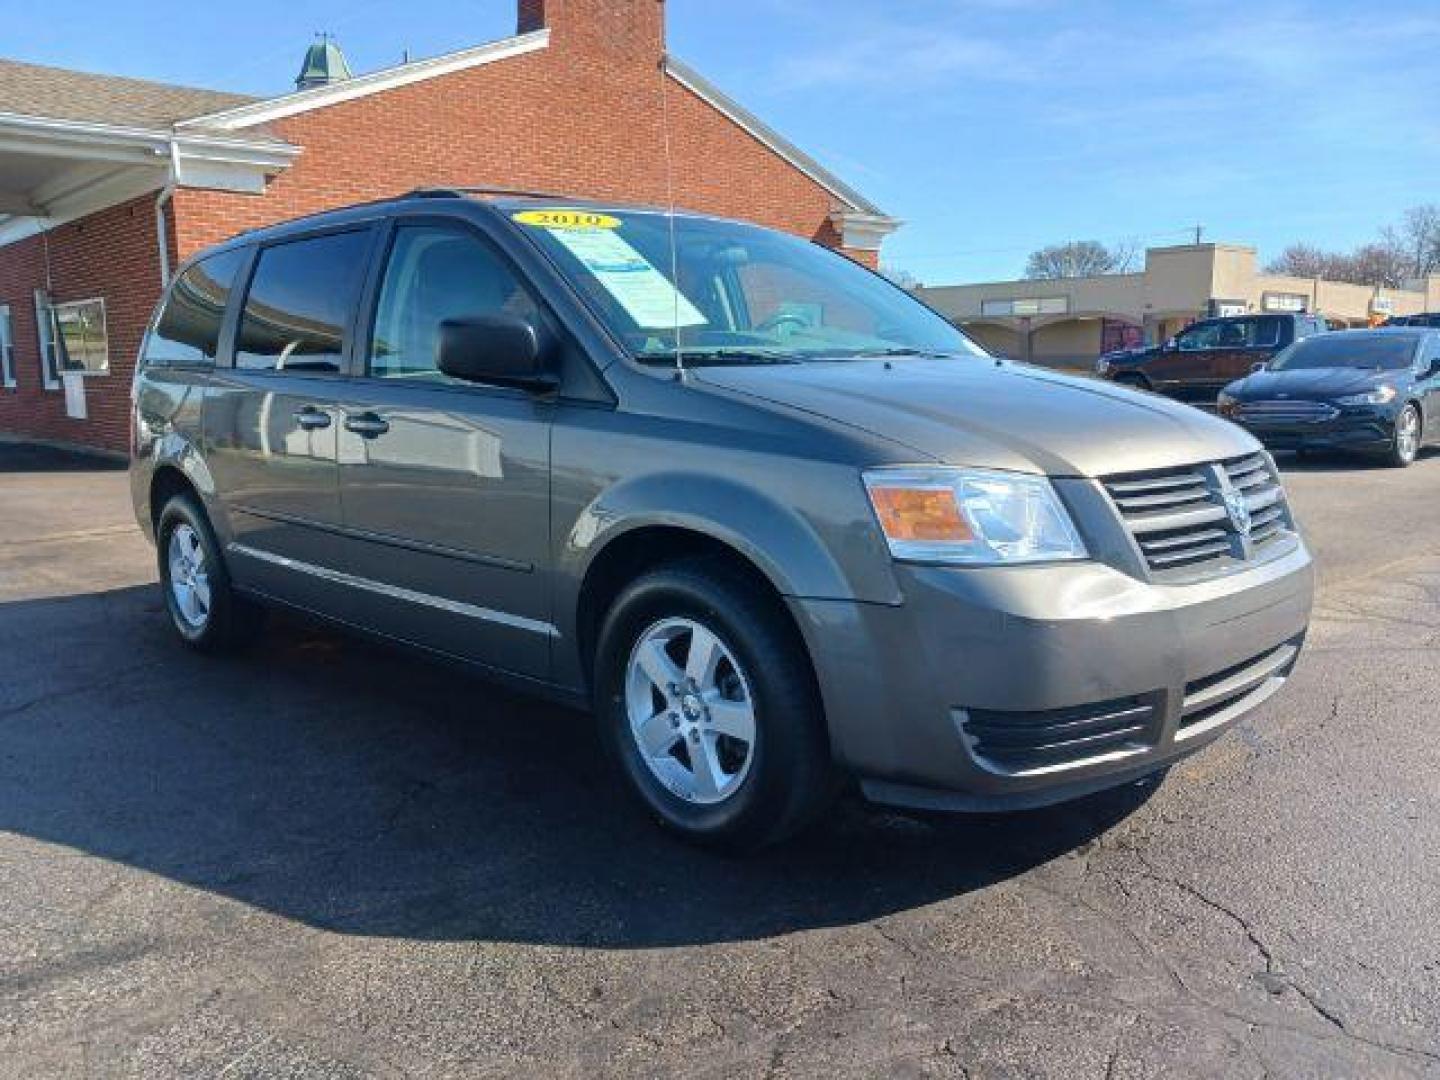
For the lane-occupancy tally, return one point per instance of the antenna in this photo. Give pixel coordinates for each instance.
(670, 216)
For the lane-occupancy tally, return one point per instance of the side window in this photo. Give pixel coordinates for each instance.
(299, 303)
(1199, 336)
(188, 330)
(1262, 333)
(434, 273)
(7, 348)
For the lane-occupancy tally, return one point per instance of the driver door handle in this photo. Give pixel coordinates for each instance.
(367, 425)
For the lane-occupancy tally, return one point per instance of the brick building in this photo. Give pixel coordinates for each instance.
(106, 183)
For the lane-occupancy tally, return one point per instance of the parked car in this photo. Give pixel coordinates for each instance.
(1376, 391)
(1428, 318)
(777, 526)
(1200, 360)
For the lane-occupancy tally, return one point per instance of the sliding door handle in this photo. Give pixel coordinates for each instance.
(367, 425)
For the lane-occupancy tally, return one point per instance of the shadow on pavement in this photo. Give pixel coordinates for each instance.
(1336, 462)
(364, 791)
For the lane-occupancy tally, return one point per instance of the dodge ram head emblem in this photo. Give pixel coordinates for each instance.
(1239, 511)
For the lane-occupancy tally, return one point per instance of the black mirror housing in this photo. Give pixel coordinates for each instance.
(502, 349)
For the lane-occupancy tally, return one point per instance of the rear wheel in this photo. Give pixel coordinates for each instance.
(1405, 442)
(706, 701)
(206, 611)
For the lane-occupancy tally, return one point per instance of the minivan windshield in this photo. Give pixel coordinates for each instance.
(1377, 352)
(729, 293)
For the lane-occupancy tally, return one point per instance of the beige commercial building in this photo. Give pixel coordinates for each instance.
(1074, 320)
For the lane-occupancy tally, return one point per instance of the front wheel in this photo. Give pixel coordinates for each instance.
(1405, 443)
(706, 700)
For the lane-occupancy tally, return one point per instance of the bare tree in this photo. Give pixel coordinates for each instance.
(1378, 264)
(1418, 239)
(1304, 260)
(1078, 258)
(900, 276)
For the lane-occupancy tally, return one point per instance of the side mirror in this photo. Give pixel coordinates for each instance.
(1257, 367)
(501, 349)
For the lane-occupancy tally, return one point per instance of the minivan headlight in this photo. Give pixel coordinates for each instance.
(971, 516)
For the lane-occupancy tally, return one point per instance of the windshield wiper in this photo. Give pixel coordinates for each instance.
(716, 355)
(902, 350)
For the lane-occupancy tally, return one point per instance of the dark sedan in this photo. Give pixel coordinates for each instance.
(1376, 391)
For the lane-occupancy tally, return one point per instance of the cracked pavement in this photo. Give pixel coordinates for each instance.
(328, 859)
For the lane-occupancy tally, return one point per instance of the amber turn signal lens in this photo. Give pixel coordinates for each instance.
(924, 514)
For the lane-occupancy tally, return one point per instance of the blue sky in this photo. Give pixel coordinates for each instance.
(991, 126)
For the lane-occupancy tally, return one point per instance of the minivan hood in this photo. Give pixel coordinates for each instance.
(995, 414)
(1315, 383)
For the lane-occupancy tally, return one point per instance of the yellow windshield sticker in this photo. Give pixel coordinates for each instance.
(566, 219)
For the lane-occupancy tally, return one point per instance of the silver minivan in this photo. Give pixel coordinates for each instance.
(776, 523)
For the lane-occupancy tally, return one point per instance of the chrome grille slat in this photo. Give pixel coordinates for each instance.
(1179, 520)
(1287, 412)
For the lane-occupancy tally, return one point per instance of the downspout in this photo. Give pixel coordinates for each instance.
(167, 193)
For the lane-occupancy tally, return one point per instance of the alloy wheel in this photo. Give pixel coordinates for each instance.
(690, 710)
(189, 578)
(1407, 434)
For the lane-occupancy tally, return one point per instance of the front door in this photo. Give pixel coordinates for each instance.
(1185, 367)
(271, 420)
(445, 485)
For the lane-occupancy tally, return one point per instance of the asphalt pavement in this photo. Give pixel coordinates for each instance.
(325, 858)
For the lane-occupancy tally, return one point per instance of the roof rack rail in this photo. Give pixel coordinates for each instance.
(446, 191)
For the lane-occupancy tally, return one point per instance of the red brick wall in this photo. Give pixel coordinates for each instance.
(583, 117)
(112, 255)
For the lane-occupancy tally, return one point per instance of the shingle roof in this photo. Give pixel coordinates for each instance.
(55, 93)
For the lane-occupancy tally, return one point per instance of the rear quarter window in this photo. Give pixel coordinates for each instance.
(187, 333)
(299, 304)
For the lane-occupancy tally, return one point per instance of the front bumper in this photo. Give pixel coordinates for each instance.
(1355, 428)
(1005, 688)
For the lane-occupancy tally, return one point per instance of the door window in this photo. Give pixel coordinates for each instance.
(434, 273)
(1200, 336)
(299, 304)
(1261, 333)
(188, 330)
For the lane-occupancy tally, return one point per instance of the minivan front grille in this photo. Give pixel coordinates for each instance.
(1180, 519)
(1020, 743)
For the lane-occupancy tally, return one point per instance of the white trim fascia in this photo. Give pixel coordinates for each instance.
(762, 132)
(142, 146)
(863, 232)
(318, 97)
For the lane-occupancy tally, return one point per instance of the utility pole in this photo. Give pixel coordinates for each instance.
(1199, 231)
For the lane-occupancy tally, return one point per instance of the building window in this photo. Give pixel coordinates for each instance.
(188, 330)
(299, 304)
(45, 333)
(1024, 306)
(7, 348)
(84, 345)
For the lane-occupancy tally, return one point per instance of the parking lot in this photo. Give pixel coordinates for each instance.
(325, 858)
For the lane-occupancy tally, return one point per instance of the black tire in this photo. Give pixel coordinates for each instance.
(790, 777)
(231, 621)
(1134, 382)
(1399, 456)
